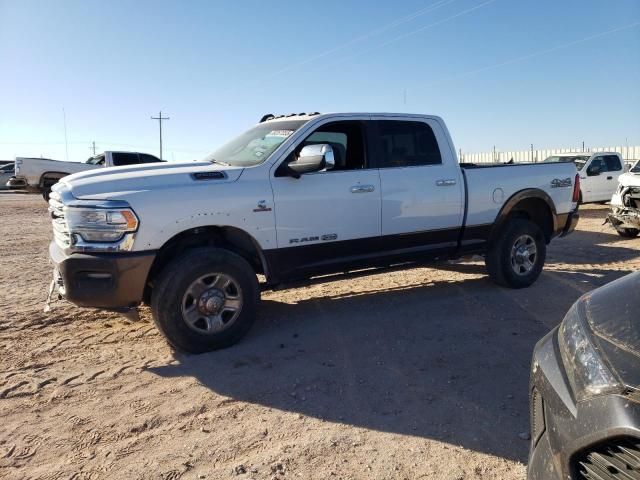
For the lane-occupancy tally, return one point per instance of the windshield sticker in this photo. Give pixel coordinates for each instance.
(279, 133)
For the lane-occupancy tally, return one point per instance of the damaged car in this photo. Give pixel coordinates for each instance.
(585, 389)
(625, 204)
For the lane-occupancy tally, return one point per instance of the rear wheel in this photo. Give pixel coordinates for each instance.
(516, 257)
(628, 232)
(206, 299)
(45, 193)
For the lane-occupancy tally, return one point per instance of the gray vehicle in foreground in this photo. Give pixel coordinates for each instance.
(585, 389)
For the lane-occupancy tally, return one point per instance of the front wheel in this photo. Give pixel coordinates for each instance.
(205, 300)
(46, 193)
(516, 257)
(628, 232)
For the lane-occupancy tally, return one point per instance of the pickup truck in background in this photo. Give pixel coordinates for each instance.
(40, 174)
(7, 171)
(599, 172)
(624, 212)
(296, 197)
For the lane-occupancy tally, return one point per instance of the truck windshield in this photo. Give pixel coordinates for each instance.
(635, 168)
(256, 144)
(579, 160)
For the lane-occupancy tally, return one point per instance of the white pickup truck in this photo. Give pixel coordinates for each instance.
(599, 172)
(40, 174)
(292, 198)
(625, 204)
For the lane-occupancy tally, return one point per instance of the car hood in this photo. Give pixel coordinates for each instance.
(613, 313)
(112, 182)
(629, 179)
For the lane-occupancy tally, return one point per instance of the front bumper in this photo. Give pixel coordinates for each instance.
(624, 217)
(17, 183)
(567, 429)
(101, 280)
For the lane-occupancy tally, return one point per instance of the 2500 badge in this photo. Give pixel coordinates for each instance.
(325, 238)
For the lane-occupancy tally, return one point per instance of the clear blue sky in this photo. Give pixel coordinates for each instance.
(489, 67)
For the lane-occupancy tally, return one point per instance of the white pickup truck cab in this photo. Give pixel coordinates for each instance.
(292, 198)
(40, 174)
(624, 214)
(599, 172)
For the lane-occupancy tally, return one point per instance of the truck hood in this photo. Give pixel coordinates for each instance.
(613, 313)
(110, 183)
(629, 179)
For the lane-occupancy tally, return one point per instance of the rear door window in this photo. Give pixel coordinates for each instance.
(120, 159)
(406, 144)
(146, 158)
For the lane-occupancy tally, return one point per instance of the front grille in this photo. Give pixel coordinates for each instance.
(617, 459)
(60, 229)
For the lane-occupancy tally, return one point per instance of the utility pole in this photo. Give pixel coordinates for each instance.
(583, 145)
(532, 153)
(93, 147)
(66, 143)
(160, 118)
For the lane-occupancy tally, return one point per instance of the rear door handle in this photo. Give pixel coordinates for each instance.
(362, 188)
(609, 178)
(445, 182)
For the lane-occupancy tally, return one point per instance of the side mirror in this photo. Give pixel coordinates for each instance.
(313, 158)
(594, 171)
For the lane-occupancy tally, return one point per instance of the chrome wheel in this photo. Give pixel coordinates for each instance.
(212, 303)
(524, 255)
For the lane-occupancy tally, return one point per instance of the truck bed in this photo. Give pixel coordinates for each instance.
(491, 185)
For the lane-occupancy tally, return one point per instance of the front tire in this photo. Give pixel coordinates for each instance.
(516, 257)
(46, 193)
(206, 299)
(628, 232)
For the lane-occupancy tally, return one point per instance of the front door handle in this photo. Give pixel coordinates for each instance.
(609, 178)
(445, 182)
(362, 188)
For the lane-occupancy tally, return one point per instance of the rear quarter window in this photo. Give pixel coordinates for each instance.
(613, 163)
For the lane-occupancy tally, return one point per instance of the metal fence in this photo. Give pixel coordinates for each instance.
(629, 154)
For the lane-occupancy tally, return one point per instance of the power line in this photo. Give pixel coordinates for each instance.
(419, 30)
(397, 22)
(160, 118)
(536, 54)
(372, 33)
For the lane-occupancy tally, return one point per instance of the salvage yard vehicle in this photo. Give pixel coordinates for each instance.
(585, 389)
(6, 172)
(599, 172)
(294, 197)
(40, 174)
(625, 204)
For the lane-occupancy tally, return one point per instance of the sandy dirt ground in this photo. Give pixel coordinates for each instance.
(412, 374)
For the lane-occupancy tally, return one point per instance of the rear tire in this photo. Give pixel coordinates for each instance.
(517, 256)
(46, 193)
(628, 232)
(205, 299)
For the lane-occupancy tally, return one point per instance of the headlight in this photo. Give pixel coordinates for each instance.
(588, 374)
(100, 225)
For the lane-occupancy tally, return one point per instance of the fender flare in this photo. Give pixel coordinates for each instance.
(45, 174)
(514, 200)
